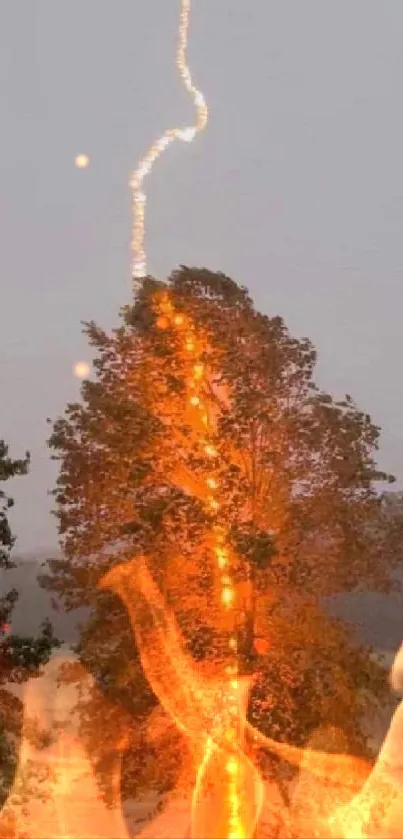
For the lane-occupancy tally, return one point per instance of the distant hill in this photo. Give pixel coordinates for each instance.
(377, 619)
(35, 604)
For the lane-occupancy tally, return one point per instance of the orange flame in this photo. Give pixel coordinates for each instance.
(211, 711)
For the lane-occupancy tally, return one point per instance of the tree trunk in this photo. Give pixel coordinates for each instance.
(247, 640)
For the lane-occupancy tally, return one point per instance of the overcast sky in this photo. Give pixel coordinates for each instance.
(295, 189)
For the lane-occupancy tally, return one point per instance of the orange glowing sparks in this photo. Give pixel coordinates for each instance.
(198, 371)
(219, 535)
(210, 451)
(214, 504)
(162, 322)
(227, 596)
(262, 646)
(222, 557)
(166, 305)
(231, 802)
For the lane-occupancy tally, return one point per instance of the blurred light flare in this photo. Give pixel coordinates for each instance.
(81, 369)
(82, 161)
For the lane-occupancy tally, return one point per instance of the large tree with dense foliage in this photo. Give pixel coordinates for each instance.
(297, 474)
(20, 657)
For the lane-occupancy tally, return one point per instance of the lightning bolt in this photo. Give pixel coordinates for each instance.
(187, 134)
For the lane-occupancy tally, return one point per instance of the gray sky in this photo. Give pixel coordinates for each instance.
(295, 189)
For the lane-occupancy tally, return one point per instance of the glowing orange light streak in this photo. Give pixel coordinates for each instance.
(202, 707)
(229, 792)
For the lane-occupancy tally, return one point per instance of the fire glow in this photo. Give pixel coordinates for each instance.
(210, 711)
(229, 795)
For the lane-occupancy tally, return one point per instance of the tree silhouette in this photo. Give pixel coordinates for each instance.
(20, 657)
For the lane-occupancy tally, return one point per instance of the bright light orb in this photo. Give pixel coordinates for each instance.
(81, 369)
(162, 322)
(82, 161)
(227, 596)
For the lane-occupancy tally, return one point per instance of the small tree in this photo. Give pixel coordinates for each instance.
(296, 471)
(20, 657)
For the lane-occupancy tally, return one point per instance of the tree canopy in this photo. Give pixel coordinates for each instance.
(299, 486)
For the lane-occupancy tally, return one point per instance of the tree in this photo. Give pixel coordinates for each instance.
(297, 479)
(20, 657)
